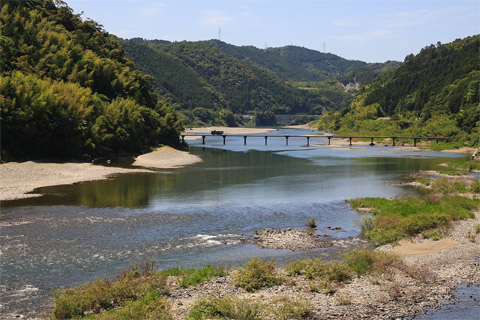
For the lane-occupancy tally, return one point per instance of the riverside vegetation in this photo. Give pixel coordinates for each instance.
(67, 89)
(433, 93)
(144, 293)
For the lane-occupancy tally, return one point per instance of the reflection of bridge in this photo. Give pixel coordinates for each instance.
(308, 137)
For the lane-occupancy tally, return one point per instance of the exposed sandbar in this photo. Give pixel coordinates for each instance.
(166, 158)
(18, 179)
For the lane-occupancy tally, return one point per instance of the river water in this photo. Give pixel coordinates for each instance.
(193, 216)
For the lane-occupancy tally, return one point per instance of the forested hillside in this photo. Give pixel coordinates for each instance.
(213, 87)
(436, 92)
(292, 62)
(67, 89)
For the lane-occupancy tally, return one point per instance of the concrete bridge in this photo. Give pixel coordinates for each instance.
(307, 137)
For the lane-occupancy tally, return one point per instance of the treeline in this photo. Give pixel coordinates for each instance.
(68, 90)
(435, 93)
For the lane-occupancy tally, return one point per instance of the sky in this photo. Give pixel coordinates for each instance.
(371, 31)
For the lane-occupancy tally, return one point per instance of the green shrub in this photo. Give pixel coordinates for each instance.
(226, 308)
(432, 234)
(152, 307)
(316, 269)
(105, 294)
(256, 274)
(399, 218)
(477, 228)
(311, 224)
(365, 261)
(191, 277)
(285, 308)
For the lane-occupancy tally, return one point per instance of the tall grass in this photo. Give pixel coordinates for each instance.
(191, 277)
(400, 218)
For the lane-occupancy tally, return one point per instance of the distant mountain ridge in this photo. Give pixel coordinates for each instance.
(205, 78)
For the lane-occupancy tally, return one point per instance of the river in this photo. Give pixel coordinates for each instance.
(193, 216)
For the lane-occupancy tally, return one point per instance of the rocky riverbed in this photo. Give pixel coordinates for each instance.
(417, 284)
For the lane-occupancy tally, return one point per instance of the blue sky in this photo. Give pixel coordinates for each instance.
(372, 31)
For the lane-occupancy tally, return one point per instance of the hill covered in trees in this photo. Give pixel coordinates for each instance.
(213, 87)
(292, 62)
(67, 89)
(436, 92)
(213, 83)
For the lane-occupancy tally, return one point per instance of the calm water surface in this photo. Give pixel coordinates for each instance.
(193, 216)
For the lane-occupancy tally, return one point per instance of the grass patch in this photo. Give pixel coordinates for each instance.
(317, 269)
(191, 277)
(368, 261)
(285, 308)
(226, 308)
(400, 218)
(475, 186)
(465, 164)
(432, 234)
(343, 301)
(449, 186)
(105, 294)
(256, 274)
(477, 228)
(442, 145)
(151, 306)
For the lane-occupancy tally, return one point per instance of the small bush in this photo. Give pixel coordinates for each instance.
(365, 261)
(477, 228)
(311, 224)
(285, 308)
(226, 308)
(432, 234)
(105, 294)
(316, 269)
(257, 274)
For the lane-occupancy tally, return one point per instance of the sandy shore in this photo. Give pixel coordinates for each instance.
(19, 179)
(166, 158)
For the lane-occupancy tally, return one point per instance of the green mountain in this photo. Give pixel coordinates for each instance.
(213, 87)
(436, 92)
(67, 89)
(292, 62)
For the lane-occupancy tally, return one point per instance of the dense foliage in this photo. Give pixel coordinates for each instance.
(205, 83)
(292, 62)
(67, 89)
(436, 93)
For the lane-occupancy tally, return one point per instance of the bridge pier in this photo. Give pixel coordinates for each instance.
(266, 140)
(393, 141)
(286, 140)
(183, 138)
(308, 141)
(224, 138)
(414, 142)
(350, 138)
(244, 140)
(371, 143)
(329, 140)
(203, 139)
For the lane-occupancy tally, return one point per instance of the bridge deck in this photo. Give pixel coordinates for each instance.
(307, 136)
